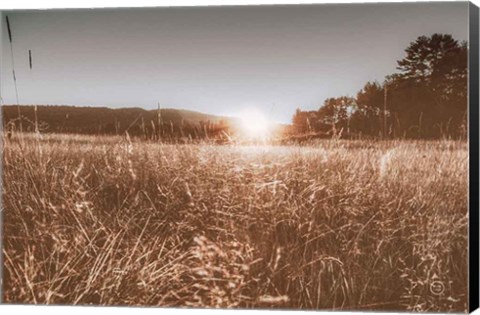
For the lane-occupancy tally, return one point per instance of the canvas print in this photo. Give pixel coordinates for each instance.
(303, 157)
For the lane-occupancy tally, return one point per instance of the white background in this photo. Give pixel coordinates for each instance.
(46, 4)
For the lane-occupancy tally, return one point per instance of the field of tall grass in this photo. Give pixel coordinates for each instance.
(342, 225)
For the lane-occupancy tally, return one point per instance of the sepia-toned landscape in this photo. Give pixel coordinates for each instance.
(329, 225)
(357, 204)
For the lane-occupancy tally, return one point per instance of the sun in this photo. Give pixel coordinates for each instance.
(254, 123)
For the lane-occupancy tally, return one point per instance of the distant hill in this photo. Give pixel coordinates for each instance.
(103, 120)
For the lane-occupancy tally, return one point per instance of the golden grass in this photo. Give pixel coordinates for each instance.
(332, 225)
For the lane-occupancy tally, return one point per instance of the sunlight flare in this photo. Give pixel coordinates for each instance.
(254, 123)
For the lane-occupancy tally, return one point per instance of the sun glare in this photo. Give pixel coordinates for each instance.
(254, 123)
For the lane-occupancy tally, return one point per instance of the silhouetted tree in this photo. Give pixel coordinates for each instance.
(367, 118)
(335, 114)
(302, 121)
(429, 97)
(426, 99)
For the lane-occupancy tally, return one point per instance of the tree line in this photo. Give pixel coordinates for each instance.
(425, 99)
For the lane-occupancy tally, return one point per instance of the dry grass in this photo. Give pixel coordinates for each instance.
(332, 225)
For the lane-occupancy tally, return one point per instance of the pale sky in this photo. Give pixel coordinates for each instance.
(216, 60)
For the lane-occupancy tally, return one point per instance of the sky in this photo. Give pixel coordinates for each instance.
(216, 60)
